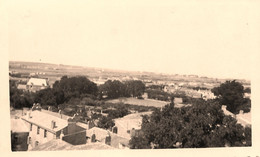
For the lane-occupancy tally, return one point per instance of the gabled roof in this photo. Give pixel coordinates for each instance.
(18, 125)
(65, 117)
(21, 86)
(44, 120)
(131, 121)
(101, 134)
(58, 144)
(37, 82)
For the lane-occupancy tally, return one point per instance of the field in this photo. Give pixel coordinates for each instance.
(140, 102)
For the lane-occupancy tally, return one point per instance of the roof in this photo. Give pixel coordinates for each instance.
(44, 120)
(56, 114)
(37, 82)
(116, 139)
(102, 133)
(65, 117)
(57, 144)
(18, 125)
(21, 86)
(132, 120)
(178, 100)
(244, 119)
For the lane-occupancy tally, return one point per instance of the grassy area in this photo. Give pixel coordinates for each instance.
(140, 102)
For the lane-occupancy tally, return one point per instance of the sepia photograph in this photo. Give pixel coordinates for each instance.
(121, 75)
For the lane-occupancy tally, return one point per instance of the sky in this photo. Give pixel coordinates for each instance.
(198, 37)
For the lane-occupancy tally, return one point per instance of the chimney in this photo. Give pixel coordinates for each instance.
(224, 107)
(132, 132)
(61, 134)
(60, 114)
(108, 139)
(241, 112)
(29, 114)
(53, 124)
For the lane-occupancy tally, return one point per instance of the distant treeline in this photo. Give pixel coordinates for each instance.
(75, 87)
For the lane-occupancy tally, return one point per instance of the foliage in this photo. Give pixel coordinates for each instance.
(135, 88)
(247, 90)
(139, 142)
(164, 96)
(137, 108)
(65, 90)
(75, 87)
(155, 87)
(199, 88)
(158, 95)
(46, 97)
(119, 112)
(106, 122)
(113, 89)
(231, 94)
(18, 98)
(201, 125)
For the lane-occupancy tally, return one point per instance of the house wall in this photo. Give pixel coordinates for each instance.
(19, 141)
(39, 137)
(76, 138)
(122, 131)
(33, 88)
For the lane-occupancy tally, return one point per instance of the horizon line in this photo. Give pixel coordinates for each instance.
(141, 71)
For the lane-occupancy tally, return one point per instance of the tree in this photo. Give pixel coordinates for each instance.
(45, 97)
(113, 89)
(18, 98)
(106, 122)
(75, 87)
(135, 88)
(201, 125)
(247, 90)
(231, 94)
(139, 143)
(121, 111)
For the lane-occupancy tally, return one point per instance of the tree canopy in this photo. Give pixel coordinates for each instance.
(135, 88)
(200, 125)
(113, 89)
(106, 122)
(75, 86)
(231, 94)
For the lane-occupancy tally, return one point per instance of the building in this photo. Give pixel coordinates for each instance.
(129, 125)
(178, 100)
(242, 118)
(145, 95)
(107, 137)
(57, 144)
(206, 94)
(36, 84)
(22, 87)
(19, 134)
(247, 95)
(44, 127)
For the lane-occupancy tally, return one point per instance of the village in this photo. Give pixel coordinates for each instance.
(86, 123)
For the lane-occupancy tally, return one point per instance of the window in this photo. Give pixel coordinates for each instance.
(29, 140)
(31, 127)
(36, 143)
(38, 130)
(45, 133)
